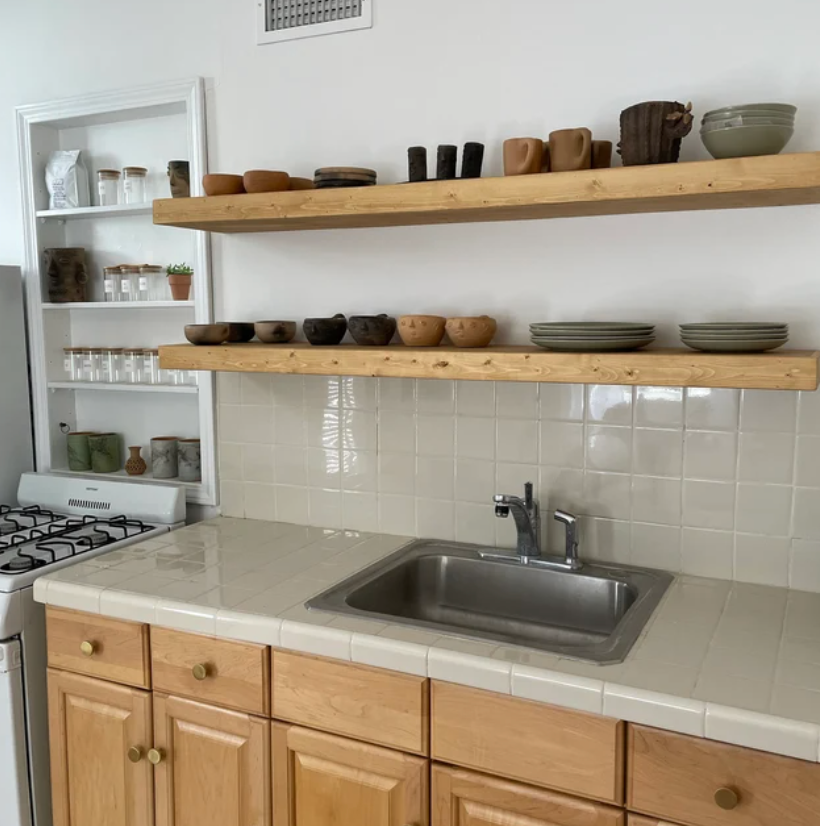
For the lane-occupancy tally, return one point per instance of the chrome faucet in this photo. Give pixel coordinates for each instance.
(527, 521)
(570, 522)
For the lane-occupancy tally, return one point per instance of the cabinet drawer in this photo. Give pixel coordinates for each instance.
(463, 798)
(370, 704)
(677, 777)
(537, 743)
(222, 672)
(100, 647)
(640, 820)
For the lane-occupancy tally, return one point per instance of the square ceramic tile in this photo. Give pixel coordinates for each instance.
(397, 431)
(565, 690)
(712, 409)
(657, 452)
(475, 438)
(710, 455)
(325, 507)
(228, 386)
(232, 499)
(798, 673)
(808, 412)
(517, 400)
(766, 457)
(807, 513)
(322, 428)
(609, 448)
(748, 663)
(656, 546)
(762, 559)
(359, 430)
(604, 494)
(235, 625)
(517, 440)
(707, 553)
(651, 708)
(435, 397)
(511, 478)
(562, 402)
(360, 470)
(656, 499)
(230, 461)
(649, 675)
(291, 503)
(257, 463)
(256, 388)
(289, 465)
(769, 410)
(397, 514)
(796, 703)
(287, 391)
(360, 510)
(708, 504)
(467, 669)
(397, 473)
(609, 404)
(475, 523)
(475, 481)
(475, 398)
(606, 540)
(435, 477)
(804, 569)
(766, 509)
(675, 643)
(289, 427)
(359, 393)
(257, 425)
(435, 519)
(322, 391)
(324, 468)
(435, 435)
(397, 394)
(260, 502)
(807, 457)
(394, 655)
(316, 639)
(562, 444)
(659, 407)
(230, 423)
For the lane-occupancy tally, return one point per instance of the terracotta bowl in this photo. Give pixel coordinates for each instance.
(223, 184)
(471, 331)
(421, 330)
(301, 183)
(275, 332)
(207, 333)
(261, 180)
(325, 331)
(372, 330)
(239, 331)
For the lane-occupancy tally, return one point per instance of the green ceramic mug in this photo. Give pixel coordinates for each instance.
(79, 451)
(106, 452)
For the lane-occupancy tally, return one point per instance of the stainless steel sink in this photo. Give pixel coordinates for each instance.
(594, 614)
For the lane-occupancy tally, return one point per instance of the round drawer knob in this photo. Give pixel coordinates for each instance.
(155, 757)
(87, 648)
(726, 798)
(135, 754)
(200, 671)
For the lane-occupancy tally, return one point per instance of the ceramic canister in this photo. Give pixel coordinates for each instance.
(79, 451)
(164, 457)
(106, 452)
(190, 462)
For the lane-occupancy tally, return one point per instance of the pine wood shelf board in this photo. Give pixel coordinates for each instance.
(773, 180)
(784, 370)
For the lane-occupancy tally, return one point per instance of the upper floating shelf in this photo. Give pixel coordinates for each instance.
(117, 211)
(784, 370)
(773, 180)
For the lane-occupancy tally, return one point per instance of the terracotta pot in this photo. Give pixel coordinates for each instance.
(180, 287)
(421, 330)
(523, 156)
(471, 331)
(570, 150)
(136, 465)
(219, 184)
(263, 180)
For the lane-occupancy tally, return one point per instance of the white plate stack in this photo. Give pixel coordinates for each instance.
(591, 336)
(735, 337)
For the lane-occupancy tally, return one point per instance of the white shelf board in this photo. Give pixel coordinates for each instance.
(117, 211)
(123, 388)
(121, 305)
(121, 475)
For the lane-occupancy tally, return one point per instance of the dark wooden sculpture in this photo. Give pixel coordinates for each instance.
(417, 164)
(66, 274)
(652, 132)
(446, 166)
(472, 159)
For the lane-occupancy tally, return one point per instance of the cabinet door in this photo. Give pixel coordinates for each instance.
(324, 780)
(463, 798)
(214, 765)
(92, 727)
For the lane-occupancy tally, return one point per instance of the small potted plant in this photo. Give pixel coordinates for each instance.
(179, 279)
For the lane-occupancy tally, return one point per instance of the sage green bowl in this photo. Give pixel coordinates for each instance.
(785, 109)
(746, 141)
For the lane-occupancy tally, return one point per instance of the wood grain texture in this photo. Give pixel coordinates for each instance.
(533, 742)
(238, 672)
(462, 798)
(675, 777)
(121, 652)
(320, 779)
(370, 704)
(92, 724)
(775, 180)
(783, 370)
(216, 765)
(640, 820)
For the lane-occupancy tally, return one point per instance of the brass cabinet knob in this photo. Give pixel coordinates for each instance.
(200, 671)
(87, 648)
(727, 798)
(135, 754)
(155, 757)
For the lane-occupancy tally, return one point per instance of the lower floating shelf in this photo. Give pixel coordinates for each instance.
(123, 388)
(783, 370)
(121, 475)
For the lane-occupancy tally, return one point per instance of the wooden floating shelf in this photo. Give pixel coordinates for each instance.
(772, 180)
(783, 370)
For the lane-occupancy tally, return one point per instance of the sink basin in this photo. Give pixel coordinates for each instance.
(594, 614)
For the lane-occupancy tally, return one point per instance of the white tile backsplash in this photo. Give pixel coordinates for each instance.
(713, 483)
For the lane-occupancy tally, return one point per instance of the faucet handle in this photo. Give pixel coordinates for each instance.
(567, 518)
(571, 523)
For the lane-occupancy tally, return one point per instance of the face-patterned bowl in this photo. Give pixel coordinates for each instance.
(471, 331)
(421, 330)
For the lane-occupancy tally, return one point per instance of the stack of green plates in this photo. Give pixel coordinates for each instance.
(735, 336)
(591, 336)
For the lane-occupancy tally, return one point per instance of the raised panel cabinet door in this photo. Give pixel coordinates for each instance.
(212, 766)
(100, 734)
(463, 798)
(324, 780)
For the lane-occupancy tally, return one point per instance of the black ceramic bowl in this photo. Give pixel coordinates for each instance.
(372, 330)
(275, 332)
(325, 331)
(239, 331)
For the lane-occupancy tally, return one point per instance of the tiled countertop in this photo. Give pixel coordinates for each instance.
(731, 662)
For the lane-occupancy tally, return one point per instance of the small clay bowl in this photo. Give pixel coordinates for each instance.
(239, 331)
(301, 183)
(261, 180)
(421, 330)
(372, 330)
(471, 331)
(223, 184)
(324, 332)
(206, 333)
(275, 332)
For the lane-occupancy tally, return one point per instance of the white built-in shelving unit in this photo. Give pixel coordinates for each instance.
(148, 127)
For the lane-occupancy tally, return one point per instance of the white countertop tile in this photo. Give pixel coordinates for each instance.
(733, 662)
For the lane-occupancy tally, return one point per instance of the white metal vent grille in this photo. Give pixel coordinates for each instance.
(291, 19)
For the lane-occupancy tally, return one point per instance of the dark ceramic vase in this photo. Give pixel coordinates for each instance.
(372, 330)
(325, 332)
(651, 133)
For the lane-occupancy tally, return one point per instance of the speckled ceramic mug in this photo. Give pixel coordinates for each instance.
(190, 461)
(165, 457)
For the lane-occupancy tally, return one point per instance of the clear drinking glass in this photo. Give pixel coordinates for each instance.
(133, 184)
(108, 184)
(111, 283)
(150, 366)
(132, 366)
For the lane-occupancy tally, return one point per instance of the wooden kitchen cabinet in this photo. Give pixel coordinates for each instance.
(640, 820)
(100, 734)
(212, 766)
(320, 779)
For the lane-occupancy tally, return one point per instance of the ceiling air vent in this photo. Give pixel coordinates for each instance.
(291, 19)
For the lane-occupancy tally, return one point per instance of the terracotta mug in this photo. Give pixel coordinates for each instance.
(570, 149)
(523, 156)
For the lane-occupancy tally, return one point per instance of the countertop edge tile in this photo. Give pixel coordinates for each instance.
(185, 616)
(469, 670)
(248, 627)
(74, 596)
(316, 639)
(394, 655)
(565, 690)
(126, 606)
(41, 590)
(649, 708)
